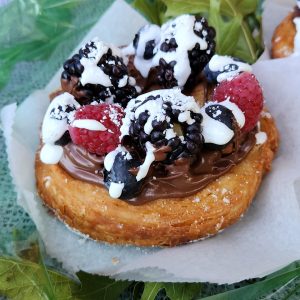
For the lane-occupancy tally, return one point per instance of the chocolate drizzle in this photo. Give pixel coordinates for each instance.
(177, 180)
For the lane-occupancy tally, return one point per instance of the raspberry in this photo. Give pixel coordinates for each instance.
(98, 141)
(243, 90)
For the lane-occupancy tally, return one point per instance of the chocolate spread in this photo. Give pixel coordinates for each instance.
(178, 180)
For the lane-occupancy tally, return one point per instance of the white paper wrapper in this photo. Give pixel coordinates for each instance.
(265, 240)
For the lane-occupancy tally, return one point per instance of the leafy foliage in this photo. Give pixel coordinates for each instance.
(263, 288)
(174, 291)
(237, 23)
(99, 287)
(32, 30)
(27, 280)
(22, 279)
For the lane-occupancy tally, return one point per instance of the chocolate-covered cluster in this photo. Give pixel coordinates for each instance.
(173, 128)
(176, 53)
(98, 73)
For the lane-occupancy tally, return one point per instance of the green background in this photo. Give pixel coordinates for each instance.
(28, 75)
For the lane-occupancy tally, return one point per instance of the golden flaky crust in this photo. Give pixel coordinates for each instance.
(283, 38)
(163, 222)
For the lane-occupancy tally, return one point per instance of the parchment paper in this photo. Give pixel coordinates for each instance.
(266, 239)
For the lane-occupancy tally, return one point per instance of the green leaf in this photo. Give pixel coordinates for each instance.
(99, 287)
(261, 288)
(152, 10)
(151, 290)
(26, 280)
(178, 7)
(230, 33)
(246, 47)
(182, 291)
(248, 6)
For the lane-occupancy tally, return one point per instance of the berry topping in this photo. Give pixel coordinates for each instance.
(118, 174)
(146, 40)
(165, 121)
(245, 91)
(59, 115)
(176, 53)
(222, 68)
(220, 120)
(98, 72)
(97, 127)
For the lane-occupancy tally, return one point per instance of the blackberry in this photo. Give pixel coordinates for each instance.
(122, 172)
(165, 73)
(199, 58)
(167, 119)
(117, 85)
(169, 45)
(186, 40)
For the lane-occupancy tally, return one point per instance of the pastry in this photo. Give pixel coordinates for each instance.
(286, 37)
(141, 147)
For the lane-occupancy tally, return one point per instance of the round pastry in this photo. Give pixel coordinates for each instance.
(172, 165)
(286, 37)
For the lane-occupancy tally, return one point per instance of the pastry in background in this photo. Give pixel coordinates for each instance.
(286, 37)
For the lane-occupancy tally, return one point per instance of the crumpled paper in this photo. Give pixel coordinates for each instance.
(266, 239)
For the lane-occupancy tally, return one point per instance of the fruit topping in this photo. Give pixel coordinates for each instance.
(245, 91)
(175, 53)
(59, 115)
(220, 122)
(97, 127)
(222, 68)
(165, 121)
(98, 72)
(119, 174)
(146, 40)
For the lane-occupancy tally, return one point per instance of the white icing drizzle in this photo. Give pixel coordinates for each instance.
(186, 39)
(110, 157)
(147, 33)
(93, 74)
(89, 124)
(221, 64)
(116, 189)
(261, 138)
(149, 159)
(53, 129)
(155, 109)
(51, 154)
(180, 28)
(238, 114)
(123, 81)
(297, 36)
(216, 132)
